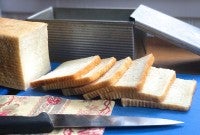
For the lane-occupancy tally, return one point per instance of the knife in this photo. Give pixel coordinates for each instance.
(45, 123)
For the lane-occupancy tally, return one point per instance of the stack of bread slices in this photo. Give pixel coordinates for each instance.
(135, 82)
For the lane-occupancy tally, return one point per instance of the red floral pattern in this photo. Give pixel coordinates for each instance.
(93, 131)
(106, 109)
(7, 101)
(67, 132)
(4, 113)
(53, 100)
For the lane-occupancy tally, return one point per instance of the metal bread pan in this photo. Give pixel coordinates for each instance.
(77, 33)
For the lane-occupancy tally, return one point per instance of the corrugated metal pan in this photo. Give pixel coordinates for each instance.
(76, 33)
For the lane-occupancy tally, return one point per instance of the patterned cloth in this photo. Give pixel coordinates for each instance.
(32, 105)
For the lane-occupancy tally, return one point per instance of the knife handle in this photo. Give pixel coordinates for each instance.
(26, 125)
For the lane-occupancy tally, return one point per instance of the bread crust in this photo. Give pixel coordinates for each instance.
(146, 71)
(19, 28)
(83, 80)
(68, 92)
(151, 104)
(161, 98)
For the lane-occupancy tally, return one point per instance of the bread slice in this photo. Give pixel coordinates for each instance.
(179, 97)
(68, 70)
(91, 76)
(108, 78)
(134, 77)
(155, 86)
(69, 92)
(24, 54)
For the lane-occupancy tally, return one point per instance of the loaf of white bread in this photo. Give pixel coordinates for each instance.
(135, 82)
(24, 54)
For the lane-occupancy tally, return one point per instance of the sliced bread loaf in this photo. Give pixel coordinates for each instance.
(68, 70)
(24, 54)
(133, 79)
(155, 86)
(107, 79)
(179, 97)
(91, 76)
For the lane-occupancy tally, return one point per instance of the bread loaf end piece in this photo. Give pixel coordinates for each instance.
(24, 54)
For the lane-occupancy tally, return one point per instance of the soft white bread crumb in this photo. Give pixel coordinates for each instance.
(24, 54)
(179, 97)
(133, 79)
(155, 86)
(136, 74)
(68, 70)
(108, 78)
(91, 76)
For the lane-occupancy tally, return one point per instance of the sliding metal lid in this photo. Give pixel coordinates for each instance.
(168, 28)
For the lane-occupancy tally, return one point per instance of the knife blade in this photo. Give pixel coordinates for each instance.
(45, 123)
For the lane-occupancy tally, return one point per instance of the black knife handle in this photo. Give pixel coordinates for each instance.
(26, 125)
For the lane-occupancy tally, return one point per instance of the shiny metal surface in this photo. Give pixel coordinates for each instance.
(60, 121)
(166, 27)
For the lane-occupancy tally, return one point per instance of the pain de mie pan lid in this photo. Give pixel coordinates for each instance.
(168, 28)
